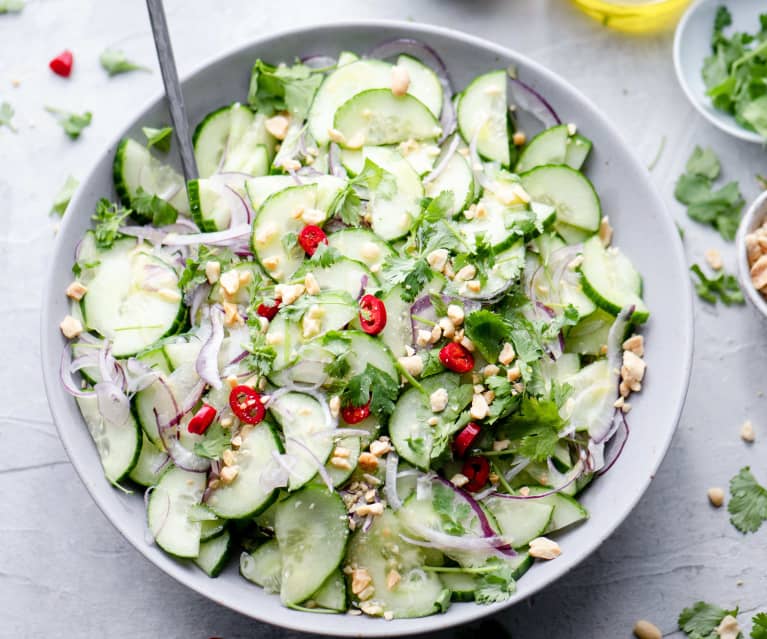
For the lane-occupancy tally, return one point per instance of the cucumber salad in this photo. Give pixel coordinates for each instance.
(375, 351)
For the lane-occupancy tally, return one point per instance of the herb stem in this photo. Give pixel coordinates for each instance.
(658, 154)
(501, 478)
(411, 380)
(460, 569)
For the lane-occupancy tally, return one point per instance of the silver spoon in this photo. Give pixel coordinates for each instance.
(172, 87)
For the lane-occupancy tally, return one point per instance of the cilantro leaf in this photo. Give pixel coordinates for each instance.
(759, 631)
(374, 386)
(703, 162)
(412, 274)
(325, 255)
(748, 502)
(260, 354)
(722, 19)
(340, 346)
(114, 62)
(452, 512)
(295, 311)
(6, 115)
(194, 271)
(283, 88)
(537, 426)
(497, 585)
(72, 123)
(67, 190)
(151, 207)
(506, 398)
(724, 287)
(215, 441)
(439, 207)
(488, 331)
(160, 139)
(431, 363)
(701, 620)
(439, 305)
(11, 6)
(109, 217)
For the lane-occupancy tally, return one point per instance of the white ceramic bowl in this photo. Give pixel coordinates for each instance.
(692, 44)
(642, 228)
(753, 219)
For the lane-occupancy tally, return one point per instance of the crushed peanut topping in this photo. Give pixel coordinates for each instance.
(76, 291)
(71, 327)
(716, 496)
(544, 548)
(368, 462)
(747, 433)
(714, 259)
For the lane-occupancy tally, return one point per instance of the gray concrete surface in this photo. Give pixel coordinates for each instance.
(66, 572)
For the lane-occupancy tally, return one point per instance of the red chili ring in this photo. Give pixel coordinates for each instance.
(456, 358)
(477, 469)
(267, 311)
(355, 414)
(246, 404)
(465, 438)
(311, 237)
(202, 419)
(372, 314)
(62, 64)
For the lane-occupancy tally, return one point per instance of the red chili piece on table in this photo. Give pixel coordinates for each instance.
(466, 438)
(246, 404)
(456, 358)
(311, 237)
(268, 311)
(355, 414)
(62, 64)
(372, 314)
(477, 469)
(202, 419)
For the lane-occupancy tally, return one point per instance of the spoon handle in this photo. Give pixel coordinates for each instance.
(172, 87)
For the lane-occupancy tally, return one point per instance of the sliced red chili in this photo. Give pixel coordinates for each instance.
(456, 358)
(355, 414)
(477, 469)
(264, 310)
(464, 439)
(372, 314)
(202, 419)
(246, 404)
(62, 64)
(311, 237)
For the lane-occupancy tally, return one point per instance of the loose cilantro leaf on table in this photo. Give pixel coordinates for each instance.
(748, 502)
(11, 6)
(72, 123)
(759, 631)
(701, 620)
(374, 386)
(6, 116)
(216, 440)
(114, 62)
(67, 190)
(160, 139)
(720, 208)
(152, 207)
(724, 287)
(283, 88)
(109, 217)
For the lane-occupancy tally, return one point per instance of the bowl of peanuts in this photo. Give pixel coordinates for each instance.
(752, 253)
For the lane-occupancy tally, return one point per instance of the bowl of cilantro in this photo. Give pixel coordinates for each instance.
(720, 56)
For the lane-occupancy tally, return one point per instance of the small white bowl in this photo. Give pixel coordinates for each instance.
(752, 220)
(692, 44)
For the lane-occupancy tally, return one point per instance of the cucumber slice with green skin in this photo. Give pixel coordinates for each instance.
(331, 595)
(212, 528)
(462, 585)
(344, 275)
(366, 349)
(339, 476)
(589, 335)
(361, 245)
(377, 116)
(278, 216)
(245, 496)
(521, 564)
(409, 430)
(118, 445)
(572, 234)
(156, 360)
(483, 113)
(214, 554)
(260, 188)
(424, 83)
(458, 178)
(578, 149)
(520, 521)
(508, 266)
(392, 214)
(133, 298)
(347, 57)
(211, 204)
(90, 374)
(567, 510)
(569, 191)
(308, 436)
(419, 155)
(210, 138)
(611, 281)
(134, 166)
(263, 566)
(419, 593)
(150, 464)
(168, 511)
(312, 529)
(593, 391)
(547, 147)
(398, 331)
(182, 353)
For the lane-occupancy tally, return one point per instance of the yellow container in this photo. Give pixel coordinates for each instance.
(636, 16)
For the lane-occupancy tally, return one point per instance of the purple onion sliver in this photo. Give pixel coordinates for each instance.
(319, 61)
(207, 361)
(440, 167)
(616, 447)
(528, 99)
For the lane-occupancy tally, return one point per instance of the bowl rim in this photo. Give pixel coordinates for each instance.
(754, 217)
(722, 121)
(378, 627)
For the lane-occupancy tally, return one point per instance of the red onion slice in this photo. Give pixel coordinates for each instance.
(334, 161)
(319, 62)
(219, 238)
(450, 543)
(529, 100)
(207, 361)
(615, 445)
(114, 406)
(440, 166)
(320, 466)
(66, 377)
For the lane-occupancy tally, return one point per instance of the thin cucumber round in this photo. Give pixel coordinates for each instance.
(361, 245)
(589, 335)
(462, 585)
(458, 178)
(331, 595)
(483, 114)
(263, 566)
(567, 511)
(578, 149)
(214, 554)
(519, 521)
(547, 147)
(424, 83)
(150, 464)
(344, 275)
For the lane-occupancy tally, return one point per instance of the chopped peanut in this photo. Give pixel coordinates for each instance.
(277, 126)
(400, 80)
(71, 327)
(714, 259)
(643, 629)
(544, 548)
(507, 354)
(76, 291)
(716, 496)
(368, 462)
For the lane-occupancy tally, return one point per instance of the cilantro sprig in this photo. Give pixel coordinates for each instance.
(109, 217)
(748, 502)
(723, 287)
(701, 620)
(537, 425)
(115, 62)
(63, 197)
(216, 440)
(283, 88)
(160, 139)
(151, 207)
(374, 386)
(6, 115)
(72, 123)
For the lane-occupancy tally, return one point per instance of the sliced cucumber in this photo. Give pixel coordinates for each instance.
(424, 83)
(569, 191)
(263, 566)
(150, 464)
(377, 116)
(578, 149)
(366, 349)
(520, 521)
(572, 234)
(118, 445)
(548, 147)
(508, 266)
(211, 205)
(331, 595)
(458, 178)
(135, 167)
(398, 331)
(308, 435)
(593, 392)
(462, 585)
(246, 495)
(589, 335)
(611, 280)
(418, 593)
(346, 57)
(214, 554)
(343, 275)
(361, 245)
(168, 511)
(340, 475)
(311, 528)
(133, 298)
(260, 188)
(483, 113)
(420, 155)
(211, 528)
(567, 510)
